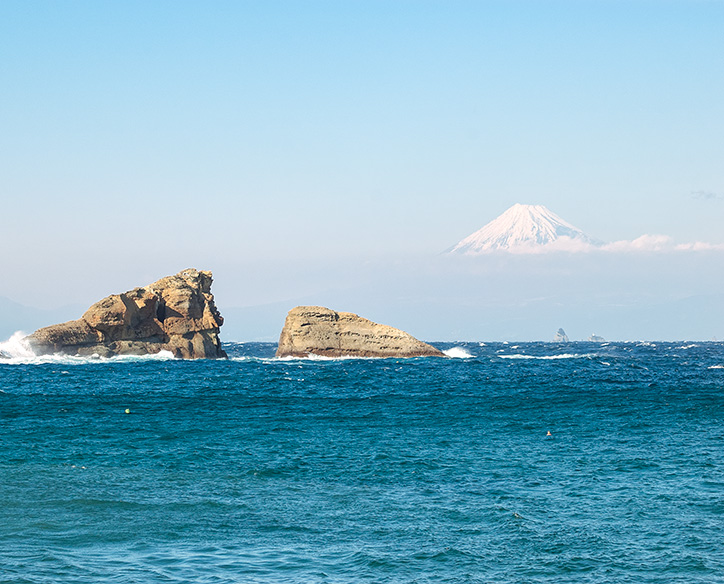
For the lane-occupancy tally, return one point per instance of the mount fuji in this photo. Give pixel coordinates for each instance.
(525, 229)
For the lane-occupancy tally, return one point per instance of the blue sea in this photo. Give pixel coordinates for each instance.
(503, 463)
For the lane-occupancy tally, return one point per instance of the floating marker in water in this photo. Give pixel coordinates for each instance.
(128, 411)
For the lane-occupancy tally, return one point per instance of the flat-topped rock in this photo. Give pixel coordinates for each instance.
(176, 314)
(315, 330)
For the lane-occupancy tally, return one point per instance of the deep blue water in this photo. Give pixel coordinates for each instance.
(421, 470)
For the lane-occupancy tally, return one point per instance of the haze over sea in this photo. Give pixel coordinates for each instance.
(367, 470)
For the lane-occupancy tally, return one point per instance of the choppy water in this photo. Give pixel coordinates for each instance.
(422, 470)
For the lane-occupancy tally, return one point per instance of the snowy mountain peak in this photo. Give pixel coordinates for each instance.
(525, 229)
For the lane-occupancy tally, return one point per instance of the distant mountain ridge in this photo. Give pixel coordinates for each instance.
(525, 229)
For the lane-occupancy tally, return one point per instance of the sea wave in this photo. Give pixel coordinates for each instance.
(17, 351)
(716, 367)
(313, 357)
(547, 357)
(458, 353)
(16, 347)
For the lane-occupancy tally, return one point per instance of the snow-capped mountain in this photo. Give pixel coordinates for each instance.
(525, 229)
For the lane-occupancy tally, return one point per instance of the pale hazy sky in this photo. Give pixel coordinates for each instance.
(139, 138)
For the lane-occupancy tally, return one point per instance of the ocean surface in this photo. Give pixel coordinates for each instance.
(367, 470)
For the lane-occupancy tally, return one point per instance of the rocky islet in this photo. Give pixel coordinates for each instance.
(176, 313)
(316, 330)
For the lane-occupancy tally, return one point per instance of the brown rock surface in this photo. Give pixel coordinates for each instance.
(315, 330)
(176, 314)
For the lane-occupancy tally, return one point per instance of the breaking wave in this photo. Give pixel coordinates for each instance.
(547, 357)
(313, 357)
(16, 347)
(17, 351)
(458, 353)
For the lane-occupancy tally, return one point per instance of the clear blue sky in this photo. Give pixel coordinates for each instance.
(139, 138)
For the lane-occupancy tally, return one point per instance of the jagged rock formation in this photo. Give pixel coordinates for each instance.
(561, 337)
(175, 314)
(315, 330)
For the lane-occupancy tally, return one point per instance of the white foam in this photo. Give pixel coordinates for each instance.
(313, 357)
(17, 351)
(16, 347)
(547, 357)
(303, 359)
(458, 353)
(160, 356)
(716, 367)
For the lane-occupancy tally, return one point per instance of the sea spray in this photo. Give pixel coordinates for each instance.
(547, 357)
(458, 353)
(17, 351)
(16, 347)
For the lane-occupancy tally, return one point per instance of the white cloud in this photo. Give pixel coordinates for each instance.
(699, 246)
(659, 243)
(646, 243)
(562, 244)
